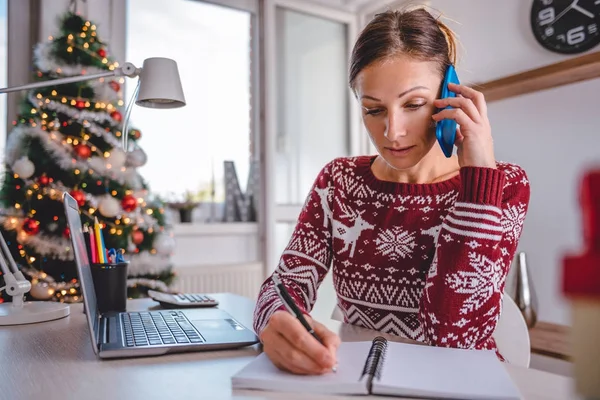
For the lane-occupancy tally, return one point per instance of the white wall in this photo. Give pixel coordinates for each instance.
(552, 134)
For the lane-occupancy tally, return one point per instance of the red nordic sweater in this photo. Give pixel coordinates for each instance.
(423, 261)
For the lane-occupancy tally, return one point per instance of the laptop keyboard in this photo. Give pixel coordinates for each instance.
(157, 328)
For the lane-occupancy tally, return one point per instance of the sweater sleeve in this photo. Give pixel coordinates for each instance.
(306, 259)
(477, 241)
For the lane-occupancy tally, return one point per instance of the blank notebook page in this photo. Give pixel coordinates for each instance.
(261, 373)
(414, 370)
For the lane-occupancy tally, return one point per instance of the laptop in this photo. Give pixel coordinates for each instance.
(149, 333)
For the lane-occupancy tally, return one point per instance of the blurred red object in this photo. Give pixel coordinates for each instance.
(581, 272)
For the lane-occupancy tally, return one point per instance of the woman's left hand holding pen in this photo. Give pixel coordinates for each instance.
(292, 348)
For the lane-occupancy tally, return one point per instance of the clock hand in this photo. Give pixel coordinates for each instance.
(583, 10)
(563, 12)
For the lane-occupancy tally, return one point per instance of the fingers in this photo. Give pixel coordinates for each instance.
(476, 97)
(330, 339)
(295, 333)
(460, 102)
(456, 114)
(285, 356)
(289, 345)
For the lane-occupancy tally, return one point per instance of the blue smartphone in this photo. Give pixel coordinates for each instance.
(445, 130)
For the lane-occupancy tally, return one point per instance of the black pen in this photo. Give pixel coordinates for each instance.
(291, 306)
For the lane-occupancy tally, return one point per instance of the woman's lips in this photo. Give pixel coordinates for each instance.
(399, 152)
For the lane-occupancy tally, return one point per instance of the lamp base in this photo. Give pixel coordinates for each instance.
(32, 312)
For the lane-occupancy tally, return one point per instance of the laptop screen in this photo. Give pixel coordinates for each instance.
(83, 265)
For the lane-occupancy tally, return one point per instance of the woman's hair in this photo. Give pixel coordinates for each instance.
(415, 33)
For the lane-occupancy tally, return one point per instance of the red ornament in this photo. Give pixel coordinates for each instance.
(135, 133)
(79, 197)
(80, 104)
(83, 151)
(137, 236)
(115, 86)
(43, 180)
(116, 116)
(129, 203)
(67, 232)
(31, 226)
(102, 53)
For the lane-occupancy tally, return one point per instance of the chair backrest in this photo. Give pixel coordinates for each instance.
(511, 334)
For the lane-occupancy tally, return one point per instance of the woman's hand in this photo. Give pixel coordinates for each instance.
(290, 347)
(474, 136)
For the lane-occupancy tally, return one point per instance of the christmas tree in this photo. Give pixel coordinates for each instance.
(68, 138)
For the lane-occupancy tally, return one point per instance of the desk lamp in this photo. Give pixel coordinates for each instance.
(159, 86)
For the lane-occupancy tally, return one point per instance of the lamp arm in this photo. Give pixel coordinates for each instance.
(128, 69)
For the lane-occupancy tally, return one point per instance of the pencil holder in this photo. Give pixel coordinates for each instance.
(110, 283)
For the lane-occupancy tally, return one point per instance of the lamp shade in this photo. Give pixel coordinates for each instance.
(160, 86)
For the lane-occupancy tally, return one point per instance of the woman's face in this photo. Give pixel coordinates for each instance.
(396, 96)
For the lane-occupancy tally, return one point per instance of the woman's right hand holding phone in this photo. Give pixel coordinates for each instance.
(292, 348)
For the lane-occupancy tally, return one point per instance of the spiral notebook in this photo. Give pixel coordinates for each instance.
(395, 369)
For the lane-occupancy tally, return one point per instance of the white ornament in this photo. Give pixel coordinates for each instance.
(131, 247)
(109, 206)
(23, 167)
(164, 244)
(117, 158)
(52, 226)
(41, 291)
(137, 158)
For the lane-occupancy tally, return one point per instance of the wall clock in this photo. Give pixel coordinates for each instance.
(566, 26)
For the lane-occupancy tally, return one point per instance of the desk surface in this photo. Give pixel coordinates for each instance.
(54, 360)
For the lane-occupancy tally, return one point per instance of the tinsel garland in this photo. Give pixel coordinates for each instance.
(145, 263)
(150, 283)
(72, 112)
(64, 158)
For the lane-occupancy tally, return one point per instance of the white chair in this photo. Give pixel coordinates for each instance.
(511, 334)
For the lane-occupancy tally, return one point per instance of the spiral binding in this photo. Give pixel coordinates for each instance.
(375, 359)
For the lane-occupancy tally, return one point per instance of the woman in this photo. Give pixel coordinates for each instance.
(419, 244)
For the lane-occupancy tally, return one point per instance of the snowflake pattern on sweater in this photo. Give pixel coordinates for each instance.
(423, 261)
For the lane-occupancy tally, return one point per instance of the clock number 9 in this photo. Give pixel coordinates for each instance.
(546, 16)
(576, 35)
(546, 2)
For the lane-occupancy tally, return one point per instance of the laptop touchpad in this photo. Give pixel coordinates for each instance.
(206, 325)
(217, 330)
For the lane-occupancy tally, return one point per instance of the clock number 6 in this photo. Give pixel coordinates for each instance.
(576, 35)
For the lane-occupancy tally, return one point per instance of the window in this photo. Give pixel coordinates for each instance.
(3, 70)
(211, 45)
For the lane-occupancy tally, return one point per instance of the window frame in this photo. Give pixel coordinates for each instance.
(22, 19)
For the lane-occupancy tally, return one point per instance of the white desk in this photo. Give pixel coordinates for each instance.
(54, 360)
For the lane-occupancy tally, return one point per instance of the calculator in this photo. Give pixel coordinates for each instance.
(170, 300)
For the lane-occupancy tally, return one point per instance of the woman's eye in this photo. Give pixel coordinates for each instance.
(415, 106)
(373, 111)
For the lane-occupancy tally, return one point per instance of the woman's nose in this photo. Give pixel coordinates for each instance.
(394, 127)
